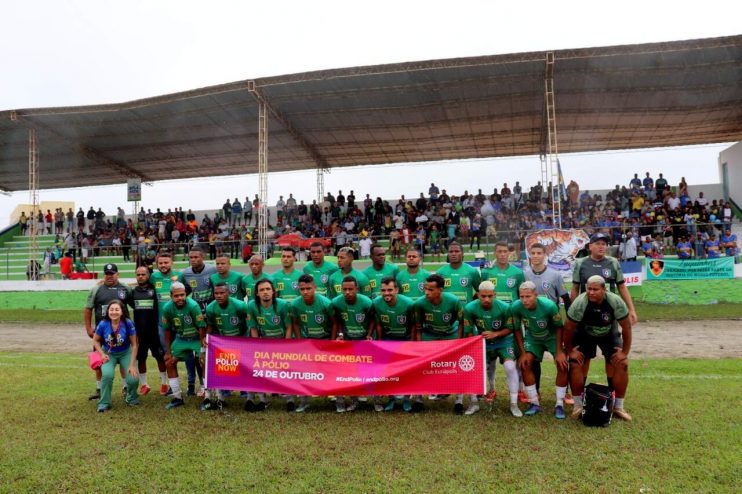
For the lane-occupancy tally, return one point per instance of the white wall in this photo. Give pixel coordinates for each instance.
(732, 156)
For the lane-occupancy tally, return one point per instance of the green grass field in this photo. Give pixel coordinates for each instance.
(684, 438)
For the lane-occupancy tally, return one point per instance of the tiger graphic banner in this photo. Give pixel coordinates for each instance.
(354, 368)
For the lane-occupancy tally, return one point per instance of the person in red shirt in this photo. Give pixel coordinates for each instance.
(65, 266)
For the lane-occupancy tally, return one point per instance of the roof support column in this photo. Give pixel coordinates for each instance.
(320, 185)
(263, 179)
(33, 191)
(551, 157)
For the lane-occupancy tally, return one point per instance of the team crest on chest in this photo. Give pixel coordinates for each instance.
(496, 324)
(606, 317)
(541, 324)
(276, 319)
(420, 286)
(545, 285)
(232, 289)
(323, 278)
(122, 294)
(464, 281)
(511, 282)
(150, 293)
(319, 318)
(401, 319)
(360, 317)
(446, 317)
(606, 273)
(187, 319)
(295, 285)
(234, 320)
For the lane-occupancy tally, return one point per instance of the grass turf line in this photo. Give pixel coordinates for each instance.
(54, 440)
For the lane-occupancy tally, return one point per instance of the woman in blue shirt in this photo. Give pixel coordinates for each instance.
(116, 340)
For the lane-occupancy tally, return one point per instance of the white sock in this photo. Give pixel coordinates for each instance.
(207, 394)
(532, 394)
(175, 386)
(97, 385)
(460, 399)
(143, 378)
(514, 399)
(512, 376)
(163, 377)
(561, 391)
(618, 403)
(473, 398)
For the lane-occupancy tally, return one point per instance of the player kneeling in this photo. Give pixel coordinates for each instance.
(182, 316)
(592, 321)
(543, 325)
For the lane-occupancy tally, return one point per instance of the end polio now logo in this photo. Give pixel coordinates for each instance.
(227, 362)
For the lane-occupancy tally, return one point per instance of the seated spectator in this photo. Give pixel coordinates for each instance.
(712, 246)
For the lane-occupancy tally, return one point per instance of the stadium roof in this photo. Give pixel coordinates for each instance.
(619, 97)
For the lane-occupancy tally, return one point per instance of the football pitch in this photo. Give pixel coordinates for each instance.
(685, 437)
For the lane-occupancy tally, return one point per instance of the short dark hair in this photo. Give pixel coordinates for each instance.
(288, 248)
(502, 244)
(388, 279)
(376, 246)
(196, 248)
(350, 279)
(306, 278)
(221, 284)
(537, 245)
(317, 243)
(437, 279)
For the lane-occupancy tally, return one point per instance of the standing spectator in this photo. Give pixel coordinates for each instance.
(628, 247)
(65, 265)
(227, 211)
(23, 220)
(236, 212)
(660, 185)
(365, 246)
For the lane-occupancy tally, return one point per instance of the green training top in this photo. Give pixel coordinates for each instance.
(355, 319)
(249, 281)
(229, 320)
(477, 319)
(442, 319)
(506, 281)
(321, 275)
(412, 285)
(336, 283)
(315, 321)
(396, 322)
(287, 285)
(271, 322)
(375, 276)
(233, 281)
(162, 284)
(540, 323)
(462, 282)
(185, 321)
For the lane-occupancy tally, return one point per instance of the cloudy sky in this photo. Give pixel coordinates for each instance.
(60, 53)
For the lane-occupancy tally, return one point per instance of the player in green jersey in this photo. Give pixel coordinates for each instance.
(411, 282)
(379, 269)
(439, 316)
(395, 320)
(491, 318)
(460, 279)
(183, 323)
(287, 279)
(506, 277)
(319, 269)
(256, 265)
(542, 322)
(162, 279)
(355, 321)
(225, 316)
(313, 317)
(592, 321)
(232, 279)
(345, 268)
(268, 317)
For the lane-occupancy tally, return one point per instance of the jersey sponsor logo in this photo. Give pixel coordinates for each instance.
(158, 284)
(319, 318)
(405, 288)
(193, 283)
(384, 318)
(279, 286)
(429, 317)
(447, 283)
(467, 363)
(261, 320)
(372, 283)
(494, 281)
(187, 319)
(401, 319)
(303, 317)
(446, 317)
(360, 317)
(511, 282)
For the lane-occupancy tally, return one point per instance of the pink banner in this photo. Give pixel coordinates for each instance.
(352, 368)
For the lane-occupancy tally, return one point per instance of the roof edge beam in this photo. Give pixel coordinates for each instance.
(319, 160)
